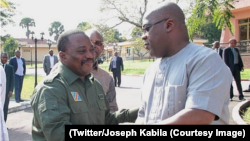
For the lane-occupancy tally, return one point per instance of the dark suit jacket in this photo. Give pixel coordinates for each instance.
(13, 62)
(119, 64)
(9, 78)
(228, 58)
(46, 63)
(220, 51)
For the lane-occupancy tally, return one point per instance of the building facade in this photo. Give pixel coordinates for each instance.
(27, 49)
(241, 23)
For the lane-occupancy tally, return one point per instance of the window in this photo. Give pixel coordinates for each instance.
(128, 51)
(244, 29)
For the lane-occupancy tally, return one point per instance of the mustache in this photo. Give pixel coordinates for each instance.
(84, 61)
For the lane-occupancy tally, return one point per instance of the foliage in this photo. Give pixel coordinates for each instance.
(220, 10)
(10, 45)
(138, 48)
(209, 31)
(110, 35)
(84, 26)
(136, 32)
(132, 12)
(246, 115)
(5, 3)
(56, 28)
(27, 23)
(7, 11)
(126, 11)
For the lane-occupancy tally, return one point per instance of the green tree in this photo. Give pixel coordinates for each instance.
(138, 47)
(10, 45)
(132, 12)
(219, 10)
(7, 11)
(109, 34)
(5, 3)
(136, 32)
(27, 23)
(56, 28)
(210, 32)
(84, 26)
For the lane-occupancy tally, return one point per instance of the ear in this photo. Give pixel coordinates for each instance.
(63, 56)
(169, 25)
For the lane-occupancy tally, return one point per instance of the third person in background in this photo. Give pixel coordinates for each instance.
(217, 48)
(232, 58)
(19, 67)
(116, 66)
(101, 75)
(49, 61)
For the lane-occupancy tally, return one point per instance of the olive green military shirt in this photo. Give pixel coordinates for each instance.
(63, 98)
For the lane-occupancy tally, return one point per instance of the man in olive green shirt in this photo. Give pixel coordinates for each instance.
(70, 95)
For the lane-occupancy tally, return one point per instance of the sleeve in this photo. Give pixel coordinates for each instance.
(110, 68)
(2, 85)
(225, 56)
(44, 63)
(123, 115)
(122, 64)
(240, 61)
(111, 96)
(209, 85)
(51, 112)
(12, 78)
(24, 66)
(11, 62)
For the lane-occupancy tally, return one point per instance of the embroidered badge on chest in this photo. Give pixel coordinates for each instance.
(76, 96)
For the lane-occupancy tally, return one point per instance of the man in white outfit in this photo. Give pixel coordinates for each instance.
(3, 129)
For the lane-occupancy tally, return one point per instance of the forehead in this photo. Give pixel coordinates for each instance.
(95, 36)
(232, 41)
(150, 17)
(3, 55)
(79, 40)
(147, 18)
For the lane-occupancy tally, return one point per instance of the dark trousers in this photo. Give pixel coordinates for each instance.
(18, 87)
(237, 79)
(6, 106)
(116, 76)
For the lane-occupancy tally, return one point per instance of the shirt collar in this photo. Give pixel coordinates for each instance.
(71, 76)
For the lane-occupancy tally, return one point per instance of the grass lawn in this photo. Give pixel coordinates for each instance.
(28, 65)
(139, 66)
(28, 86)
(130, 67)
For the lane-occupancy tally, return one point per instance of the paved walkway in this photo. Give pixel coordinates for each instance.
(14, 107)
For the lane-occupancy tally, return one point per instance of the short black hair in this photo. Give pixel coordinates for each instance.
(63, 39)
(4, 53)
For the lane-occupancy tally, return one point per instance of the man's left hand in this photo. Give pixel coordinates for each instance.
(10, 94)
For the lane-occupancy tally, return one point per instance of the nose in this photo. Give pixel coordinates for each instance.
(144, 36)
(90, 54)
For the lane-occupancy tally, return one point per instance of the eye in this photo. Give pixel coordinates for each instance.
(83, 50)
(146, 29)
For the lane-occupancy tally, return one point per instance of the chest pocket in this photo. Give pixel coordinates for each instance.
(78, 107)
(102, 102)
(176, 98)
(79, 111)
